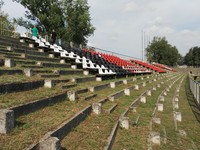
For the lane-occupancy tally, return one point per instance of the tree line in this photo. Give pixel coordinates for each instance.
(160, 51)
(192, 58)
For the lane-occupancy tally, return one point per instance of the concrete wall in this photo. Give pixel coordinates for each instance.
(36, 105)
(23, 86)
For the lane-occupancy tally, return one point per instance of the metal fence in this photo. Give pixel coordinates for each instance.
(195, 88)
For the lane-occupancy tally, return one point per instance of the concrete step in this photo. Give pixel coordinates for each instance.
(55, 65)
(67, 86)
(49, 75)
(31, 66)
(43, 71)
(8, 53)
(30, 52)
(67, 72)
(11, 72)
(20, 86)
(25, 62)
(40, 58)
(14, 44)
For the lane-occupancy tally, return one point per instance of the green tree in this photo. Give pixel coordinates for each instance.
(78, 19)
(7, 27)
(160, 51)
(70, 18)
(46, 13)
(192, 58)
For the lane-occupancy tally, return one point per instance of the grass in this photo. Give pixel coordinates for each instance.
(13, 99)
(92, 132)
(30, 128)
(97, 128)
(16, 78)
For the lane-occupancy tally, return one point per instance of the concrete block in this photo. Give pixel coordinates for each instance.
(143, 99)
(74, 66)
(62, 61)
(24, 56)
(154, 79)
(98, 79)
(124, 122)
(147, 77)
(176, 99)
(154, 88)
(31, 45)
(97, 107)
(41, 50)
(51, 56)
(49, 83)
(148, 92)
(136, 87)
(155, 138)
(133, 109)
(7, 121)
(71, 95)
(160, 107)
(39, 63)
(161, 98)
(112, 85)
(134, 79)
(73, 80)
(86, 72)
(9, 63)
(178, 116)
(158, 85)
(144, 84)
(28, 72)
(91, 89)
(176, 106)
(142, 78)
(9, 48)
(156, 120)
(165, 93)
(22, 40)
(127, 92)
(125, 82)
(51, 143)
(167, 89)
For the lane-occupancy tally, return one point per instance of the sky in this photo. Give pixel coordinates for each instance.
(127, 26)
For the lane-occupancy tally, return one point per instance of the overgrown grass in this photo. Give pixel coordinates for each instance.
(16, 78)
(88, 129)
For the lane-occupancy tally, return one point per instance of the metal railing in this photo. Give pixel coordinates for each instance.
(195, 88)
(126, 57)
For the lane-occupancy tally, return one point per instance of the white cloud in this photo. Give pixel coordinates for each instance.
(131, 6)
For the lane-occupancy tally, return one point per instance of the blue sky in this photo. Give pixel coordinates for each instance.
(120, 23)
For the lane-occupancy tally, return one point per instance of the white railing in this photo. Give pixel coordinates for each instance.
(195, 88)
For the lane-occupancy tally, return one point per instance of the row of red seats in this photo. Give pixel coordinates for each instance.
(164, 67)
(147, 65)
(127, 65)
